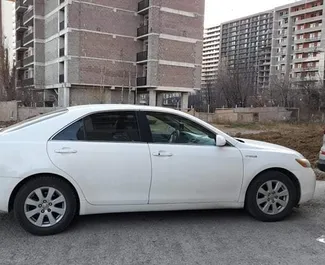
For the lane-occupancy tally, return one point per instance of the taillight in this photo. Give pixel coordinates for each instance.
(322, 152)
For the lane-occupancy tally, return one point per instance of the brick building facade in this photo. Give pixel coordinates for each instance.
(109, 51)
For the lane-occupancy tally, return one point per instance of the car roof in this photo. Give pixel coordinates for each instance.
(104, 107)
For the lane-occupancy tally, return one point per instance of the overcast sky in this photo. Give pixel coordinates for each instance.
(218, 11)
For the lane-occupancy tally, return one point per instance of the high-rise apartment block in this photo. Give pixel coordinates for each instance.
(211, 53)
(287, 43)
(109, 51)
(299, 41)
(246, 45)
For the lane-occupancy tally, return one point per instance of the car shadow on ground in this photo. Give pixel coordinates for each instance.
(172, 218)
(96, 223)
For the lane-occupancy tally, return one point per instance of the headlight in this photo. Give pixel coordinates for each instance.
(303, 162)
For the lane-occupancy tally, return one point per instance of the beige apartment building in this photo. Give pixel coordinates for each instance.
(109, 51)
(211, 54)
(299, 42)
(286, 43)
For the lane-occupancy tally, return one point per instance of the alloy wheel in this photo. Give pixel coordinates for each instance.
(45, 206)
(272, 197)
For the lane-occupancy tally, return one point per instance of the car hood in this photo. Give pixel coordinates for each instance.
(259, 145)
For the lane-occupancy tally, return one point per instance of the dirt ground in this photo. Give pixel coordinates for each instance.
(305, 138)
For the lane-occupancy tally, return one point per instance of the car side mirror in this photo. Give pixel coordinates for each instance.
(220, 141)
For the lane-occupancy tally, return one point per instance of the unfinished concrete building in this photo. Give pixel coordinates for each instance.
(109, 51)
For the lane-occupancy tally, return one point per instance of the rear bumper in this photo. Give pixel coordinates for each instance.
(7, 185)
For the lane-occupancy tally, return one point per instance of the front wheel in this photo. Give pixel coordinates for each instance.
(271, 197)
(45, 205)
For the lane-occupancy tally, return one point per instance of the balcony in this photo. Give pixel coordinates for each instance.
(306, 59)
(311, 29)
(142, 56)
(309, 19)
(28, 60)
(20, 27)
(62, 25)
(307, 40)
(28, 15)
(285, 25)
(306, 79)
(61, 78)
(20, 65)
(28, 37)
(143, 7)
(306, 69)
(284, 42)
(25, 82)
(21, 7)
(307, 10)
(20, 46)
(142, 31)
(308, 49)
(142, 81)
(61, 52)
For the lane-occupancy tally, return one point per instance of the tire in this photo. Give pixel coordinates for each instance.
(268, 207)
(45, 205)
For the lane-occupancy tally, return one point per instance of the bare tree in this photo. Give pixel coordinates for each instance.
(236, 84)
(280, 92)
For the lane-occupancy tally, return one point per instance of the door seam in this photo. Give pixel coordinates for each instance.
(151, 175)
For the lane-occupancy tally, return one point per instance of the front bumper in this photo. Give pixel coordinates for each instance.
(7, 185)
(307, 180)
(321, 165)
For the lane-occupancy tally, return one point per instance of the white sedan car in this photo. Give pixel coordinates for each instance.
(118, 158)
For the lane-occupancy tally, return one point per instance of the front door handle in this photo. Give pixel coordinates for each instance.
(162, 154)
(65, 151)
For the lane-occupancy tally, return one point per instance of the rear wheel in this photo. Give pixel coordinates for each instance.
(271, 196)
(45, 205)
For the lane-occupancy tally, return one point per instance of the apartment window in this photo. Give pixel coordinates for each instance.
(28, 31)
(29, 74)
(299, 65)
(299, 56)
(312, 35)
(29, 52)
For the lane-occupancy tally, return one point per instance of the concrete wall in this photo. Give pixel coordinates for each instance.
(246, 115)
(8, 111)
(93, 95)
(26, 113)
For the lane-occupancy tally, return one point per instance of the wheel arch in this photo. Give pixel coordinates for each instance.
(25, 180)
(286, 172)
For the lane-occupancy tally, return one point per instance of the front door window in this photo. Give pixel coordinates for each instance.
(171, 129)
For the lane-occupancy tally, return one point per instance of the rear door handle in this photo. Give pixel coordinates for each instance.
(162, 154)
(65, 151)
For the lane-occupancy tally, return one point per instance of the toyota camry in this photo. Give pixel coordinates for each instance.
(119, 158)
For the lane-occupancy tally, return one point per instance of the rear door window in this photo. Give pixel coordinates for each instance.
(120, 126)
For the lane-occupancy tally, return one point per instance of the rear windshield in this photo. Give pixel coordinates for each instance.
(34, 120)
